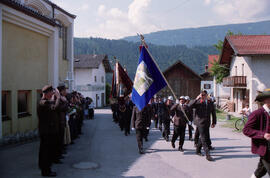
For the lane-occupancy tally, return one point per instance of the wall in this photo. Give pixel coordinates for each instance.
(260, 76)
(25, 67)
(84, 77)
(63, 63)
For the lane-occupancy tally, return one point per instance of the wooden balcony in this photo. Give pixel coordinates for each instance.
(235, 81)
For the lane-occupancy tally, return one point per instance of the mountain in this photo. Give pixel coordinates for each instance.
(128, 53)
(203, 36)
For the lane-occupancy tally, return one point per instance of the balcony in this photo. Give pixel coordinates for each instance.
(235, 81)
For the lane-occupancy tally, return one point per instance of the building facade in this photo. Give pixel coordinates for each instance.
(183, 81)
(90, 77)
(248, 57)
(36, 49)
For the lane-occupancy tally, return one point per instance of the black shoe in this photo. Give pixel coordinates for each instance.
(209, 158)
(141, 151)
(190, 138)
(126, 134)
(173, 145)
(49, 174)
(167, 139)
(199, 153)
(211, 148)
(181, 149)
(195, 145)
(146, 139)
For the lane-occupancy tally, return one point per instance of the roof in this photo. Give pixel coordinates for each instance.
(24, 9)
(244, 45)
(211, 60)
(182, 64)
(60, 9)
(92, 61)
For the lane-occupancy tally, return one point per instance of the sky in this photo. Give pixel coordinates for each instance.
(115, 19)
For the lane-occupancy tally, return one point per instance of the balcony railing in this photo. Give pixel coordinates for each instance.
(235, 81)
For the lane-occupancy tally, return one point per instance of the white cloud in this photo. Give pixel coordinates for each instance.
(242, 10)
(207, 1)
(118, 23)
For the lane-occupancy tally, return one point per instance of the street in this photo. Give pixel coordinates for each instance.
(117, 155)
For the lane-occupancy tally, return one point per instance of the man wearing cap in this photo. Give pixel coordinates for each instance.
(258, 129)
(179, 120)
(166, 119)
(48, 129)
(204, 108)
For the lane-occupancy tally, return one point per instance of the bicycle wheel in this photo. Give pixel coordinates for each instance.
(239, 124)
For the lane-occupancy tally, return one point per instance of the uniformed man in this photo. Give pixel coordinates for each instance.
(204, 109)
(139, 122)
(154, 106)
(165, 116)
(48, 129)
(127, 119)
(121, 112)
(180, 111)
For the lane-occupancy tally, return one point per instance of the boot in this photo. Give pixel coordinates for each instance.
(173, 145)
(209, 158)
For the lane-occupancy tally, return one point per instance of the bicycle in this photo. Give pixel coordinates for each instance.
(239, 123)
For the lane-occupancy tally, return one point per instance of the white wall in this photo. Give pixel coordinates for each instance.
(87, 76)
(209, 91)
(260, 80)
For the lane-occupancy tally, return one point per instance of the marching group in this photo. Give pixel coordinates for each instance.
(164, 112)
(61, 117)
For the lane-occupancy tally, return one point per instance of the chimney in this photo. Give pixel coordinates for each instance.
(206, 68)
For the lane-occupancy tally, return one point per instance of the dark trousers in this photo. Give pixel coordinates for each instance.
(160, 123)
(204, 139)
(166, 131)
(47, 152)
(197, 135)
(263, 166)
(140, 134)
(179, 131)
(190, 131)
(156, 122)
(127, 125)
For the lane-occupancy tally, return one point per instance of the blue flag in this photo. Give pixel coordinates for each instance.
(148, 80)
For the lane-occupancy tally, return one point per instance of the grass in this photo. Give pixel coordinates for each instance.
(221, 116)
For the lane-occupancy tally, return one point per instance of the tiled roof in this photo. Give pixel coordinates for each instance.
(211, 60)
(250, 44)
(92, 61)
(244, 45)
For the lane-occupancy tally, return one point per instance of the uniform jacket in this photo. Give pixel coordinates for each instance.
(203, 112)
(141, 119)
(255, 128)
(179, 117)
(48, 115)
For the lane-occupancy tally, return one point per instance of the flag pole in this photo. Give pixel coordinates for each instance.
(144, 44)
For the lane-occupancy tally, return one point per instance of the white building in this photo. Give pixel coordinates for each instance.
(90, 77)
(248, 57)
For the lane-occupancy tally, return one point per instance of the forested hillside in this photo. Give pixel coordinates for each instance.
(203, 36)
(128, 53)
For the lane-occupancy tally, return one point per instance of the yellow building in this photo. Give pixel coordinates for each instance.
(36, 49)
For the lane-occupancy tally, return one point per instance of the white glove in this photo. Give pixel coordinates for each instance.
(189, 123)
(152, 121)
(132, 128)
(147, 128)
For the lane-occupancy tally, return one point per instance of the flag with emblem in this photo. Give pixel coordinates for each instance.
(148, 80)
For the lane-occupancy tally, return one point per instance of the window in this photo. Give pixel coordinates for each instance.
(102, 79)
(23, 103)
(6, 107)
(95, 78)
(207, 86)
(63, 36)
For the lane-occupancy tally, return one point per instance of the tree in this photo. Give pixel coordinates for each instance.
(219, 71)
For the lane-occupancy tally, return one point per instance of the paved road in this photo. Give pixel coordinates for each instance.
(117, 155)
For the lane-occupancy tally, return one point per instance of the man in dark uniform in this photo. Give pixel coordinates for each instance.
(258, 129)
(190, 117)
(179, 119)
(166, 118)
(154, 106)
(204, 109)
(160, 112)
(127, 119)
(48, 116)
(121, 112)
(139, 122)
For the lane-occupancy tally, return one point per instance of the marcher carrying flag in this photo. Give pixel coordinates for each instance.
(121, 83)
(148, 79)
